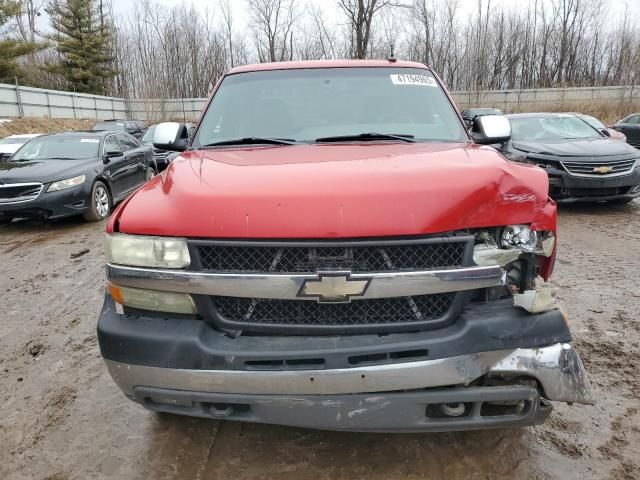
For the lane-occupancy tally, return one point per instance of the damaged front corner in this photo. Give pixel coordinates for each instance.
(539, 300)
(486, 255)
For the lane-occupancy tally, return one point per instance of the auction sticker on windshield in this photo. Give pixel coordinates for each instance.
(411, 79)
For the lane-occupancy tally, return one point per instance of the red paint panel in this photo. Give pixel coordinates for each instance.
(337, 191)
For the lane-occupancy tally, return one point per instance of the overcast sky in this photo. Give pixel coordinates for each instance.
(615, 8)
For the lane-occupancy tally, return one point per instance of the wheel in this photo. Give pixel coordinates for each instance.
(619, 201)
(100, 203)
(150, 174)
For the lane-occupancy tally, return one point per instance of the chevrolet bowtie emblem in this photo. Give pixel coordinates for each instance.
(334, 287)
(603, 170)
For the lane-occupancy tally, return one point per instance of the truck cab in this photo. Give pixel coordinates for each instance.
(334, 249)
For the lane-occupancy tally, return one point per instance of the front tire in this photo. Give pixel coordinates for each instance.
(100, 203)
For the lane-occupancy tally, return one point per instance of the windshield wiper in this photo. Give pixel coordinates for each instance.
(252, 141)
(368, 136)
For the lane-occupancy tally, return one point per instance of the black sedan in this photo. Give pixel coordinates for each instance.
(469, 114)
(630, 126)
(72, 173)
(132, 127)
(164, 157)
(582, 163)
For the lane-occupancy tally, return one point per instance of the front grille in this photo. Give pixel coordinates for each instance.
(258, 311)
(598, 192)
(295, 316)
(17, 193)
(302, 259)
(612, 167)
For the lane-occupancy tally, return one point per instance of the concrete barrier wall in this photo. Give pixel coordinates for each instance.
(18, 101)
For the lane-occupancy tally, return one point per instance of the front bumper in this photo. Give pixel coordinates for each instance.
(50, 205)
(185, 366)
(567, 188)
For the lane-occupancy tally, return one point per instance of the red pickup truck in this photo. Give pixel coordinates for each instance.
(334, 250)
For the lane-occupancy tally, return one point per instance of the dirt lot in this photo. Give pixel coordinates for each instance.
(61, 417)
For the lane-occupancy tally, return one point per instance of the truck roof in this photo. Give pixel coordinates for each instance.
(324, 64)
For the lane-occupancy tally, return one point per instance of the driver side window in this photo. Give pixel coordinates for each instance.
(111, 144)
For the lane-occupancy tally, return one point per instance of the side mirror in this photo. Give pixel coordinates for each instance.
(605, 132)
(111, 154)
(491, 129)
(167, 136)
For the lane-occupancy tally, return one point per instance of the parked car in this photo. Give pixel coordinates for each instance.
(72, 173)
(10, 144)
(630, 127)
(470, 114)
(131, 127)
(163, 157)
(601, 127)
(583, 164)
(333, 251)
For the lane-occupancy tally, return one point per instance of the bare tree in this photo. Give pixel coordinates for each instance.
(272, 23)
(360, 14)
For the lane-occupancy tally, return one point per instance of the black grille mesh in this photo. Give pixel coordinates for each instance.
(358, 312)
(310, 259)
(10, 193)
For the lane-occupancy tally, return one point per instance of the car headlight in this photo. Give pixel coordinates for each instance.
(143, 251)
(68, 183)
(520, 237)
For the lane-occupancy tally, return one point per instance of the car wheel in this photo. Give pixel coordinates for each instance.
(620, 201)
(100, 203)
(150, 174)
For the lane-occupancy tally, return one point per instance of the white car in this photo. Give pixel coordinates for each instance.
(9, 145)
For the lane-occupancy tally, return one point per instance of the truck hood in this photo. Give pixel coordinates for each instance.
(43, 171)
(334, 191)
(593, 147)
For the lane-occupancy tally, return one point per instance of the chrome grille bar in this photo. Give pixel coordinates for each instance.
(286, 286)
(19, 192)
(587, 169)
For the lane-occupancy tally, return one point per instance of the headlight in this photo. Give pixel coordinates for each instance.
(142, 251)
(68, 183)
(172, 302)
(520, 237)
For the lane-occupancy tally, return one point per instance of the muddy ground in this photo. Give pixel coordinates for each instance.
(61, 417)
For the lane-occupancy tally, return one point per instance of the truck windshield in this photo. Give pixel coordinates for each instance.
(303, 105)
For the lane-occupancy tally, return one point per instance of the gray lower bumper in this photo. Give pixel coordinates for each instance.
(417, 411)
(557, 368)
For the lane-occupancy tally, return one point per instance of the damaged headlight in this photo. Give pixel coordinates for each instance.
(520, 237)
(515, 239)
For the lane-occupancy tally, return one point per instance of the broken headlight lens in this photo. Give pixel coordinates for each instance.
(520, 237)
(143, 251)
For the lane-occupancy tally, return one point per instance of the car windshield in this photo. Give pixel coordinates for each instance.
(64, 148)
(304, 105)
(117, 126)
(593, 121)
(551, 128)
(148, 135)
(14, 141)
